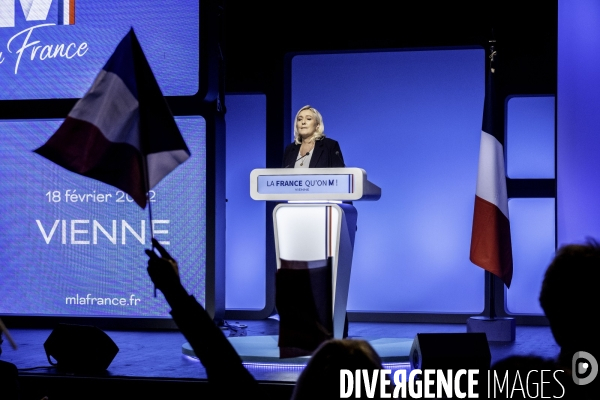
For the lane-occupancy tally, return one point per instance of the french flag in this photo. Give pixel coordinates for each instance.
(491, 247)
(122, 131)
(66, 12)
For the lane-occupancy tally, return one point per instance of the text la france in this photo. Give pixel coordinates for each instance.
(314, 182)
(42, 52)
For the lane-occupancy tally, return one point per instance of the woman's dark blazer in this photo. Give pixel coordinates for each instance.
(326, 154)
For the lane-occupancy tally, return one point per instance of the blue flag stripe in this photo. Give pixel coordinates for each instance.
(122, 64)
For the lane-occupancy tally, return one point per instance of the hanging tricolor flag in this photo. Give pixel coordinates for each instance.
(491, 247)
(121, 132)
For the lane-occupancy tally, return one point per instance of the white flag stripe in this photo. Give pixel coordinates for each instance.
(112, 108)
(66, 11)
(491, 181)
(161, 164)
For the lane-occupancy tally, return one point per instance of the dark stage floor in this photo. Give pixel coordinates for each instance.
(150, 358)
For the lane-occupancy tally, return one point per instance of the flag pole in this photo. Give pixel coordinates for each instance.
(151, 224)
(491, 280)
(147, 184)
(490, 242)
(151, 228)
(491, 295)
(147, 187)
(149, 211)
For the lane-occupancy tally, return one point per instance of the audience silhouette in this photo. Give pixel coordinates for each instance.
(9, 387)
(319, 380)
(321, 377)
(223, 365)
(569, 299)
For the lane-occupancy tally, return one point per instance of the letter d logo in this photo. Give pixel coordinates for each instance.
(584, 368)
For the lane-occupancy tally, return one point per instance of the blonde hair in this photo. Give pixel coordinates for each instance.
(319, 132)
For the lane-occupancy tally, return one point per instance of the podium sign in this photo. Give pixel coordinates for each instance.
(314, 184)
(292, 184)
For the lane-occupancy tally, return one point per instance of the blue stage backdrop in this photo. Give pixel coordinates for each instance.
(49, 51)
(377, 106)
(578, 143)
(412, 120)
(71, 245)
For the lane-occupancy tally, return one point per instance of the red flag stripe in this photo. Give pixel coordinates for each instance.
(491, 247)
(80, 147)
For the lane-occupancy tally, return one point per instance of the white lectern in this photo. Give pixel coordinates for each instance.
(315, 224)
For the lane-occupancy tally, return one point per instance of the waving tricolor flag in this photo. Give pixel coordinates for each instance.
(122, 131)
(491, 247)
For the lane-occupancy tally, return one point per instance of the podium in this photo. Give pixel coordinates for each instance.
(317, 225)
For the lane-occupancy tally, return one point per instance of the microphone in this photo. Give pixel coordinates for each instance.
(307, 153)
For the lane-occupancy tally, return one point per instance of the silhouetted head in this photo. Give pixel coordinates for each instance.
(569, 297)
(321, 377)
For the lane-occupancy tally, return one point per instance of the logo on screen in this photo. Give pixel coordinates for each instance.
(37, 10)
(26, 45)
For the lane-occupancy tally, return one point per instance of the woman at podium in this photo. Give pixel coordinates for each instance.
(303, 293)
(311, 149)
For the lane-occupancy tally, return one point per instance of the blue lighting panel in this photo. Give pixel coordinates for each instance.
(530, 137)
(246, 150)
(532, 232)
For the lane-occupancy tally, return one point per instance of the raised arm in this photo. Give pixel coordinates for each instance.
(223, 364)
